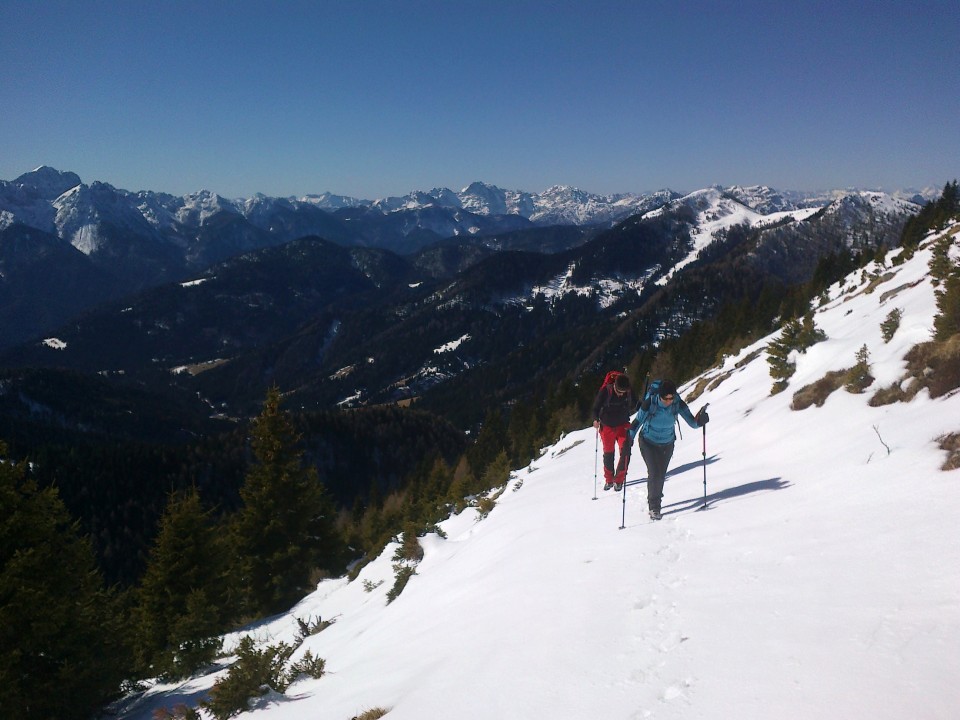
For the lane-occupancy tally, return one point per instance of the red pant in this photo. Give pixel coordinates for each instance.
(612, 437)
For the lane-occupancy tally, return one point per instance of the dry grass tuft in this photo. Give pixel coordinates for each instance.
(818, 392)
(371, 714)
(936, 365)
(951, 443)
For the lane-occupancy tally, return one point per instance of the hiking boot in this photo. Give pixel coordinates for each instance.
(608, 486)
(618, 487)
(655, 515)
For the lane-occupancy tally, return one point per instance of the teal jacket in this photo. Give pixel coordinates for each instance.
(656, 423)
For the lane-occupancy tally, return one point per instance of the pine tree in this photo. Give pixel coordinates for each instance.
(491, 439)
(286, 527)
(947, 320)
(778, 355)
(61, 657)
(933, 216)
(182, 596)
(859, 377)
(796, 335)
(945, 271)
(940, 263)
(809, 334)
(497, 473)
(948, 206)
(888, 328)
(464, 484)
(435, 488)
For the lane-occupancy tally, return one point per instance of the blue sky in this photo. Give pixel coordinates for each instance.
(375, 98)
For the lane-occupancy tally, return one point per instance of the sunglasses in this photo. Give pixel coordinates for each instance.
(667, 398)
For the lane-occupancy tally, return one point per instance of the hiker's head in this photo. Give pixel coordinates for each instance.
(621, 385)
(668, 391)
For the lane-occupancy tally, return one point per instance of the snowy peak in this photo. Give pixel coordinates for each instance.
(200, 206)
(763, 199)
(484, 199)
(48, 183)
(879, 202)
(558, 205)
(329, 201)
(28, 198)
(83, 213)
(716, 209)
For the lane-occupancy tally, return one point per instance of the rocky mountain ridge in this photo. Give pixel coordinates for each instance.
(60, 203)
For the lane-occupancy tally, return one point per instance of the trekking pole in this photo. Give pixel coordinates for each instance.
(623, 519)
(596, 449)
(625, 459)
(704, 506)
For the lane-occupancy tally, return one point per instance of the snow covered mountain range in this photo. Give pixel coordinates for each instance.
(85, 215)
(59, 203)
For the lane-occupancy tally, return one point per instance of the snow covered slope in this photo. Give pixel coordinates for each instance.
(821, 581)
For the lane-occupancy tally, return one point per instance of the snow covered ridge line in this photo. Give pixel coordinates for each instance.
(56, 201)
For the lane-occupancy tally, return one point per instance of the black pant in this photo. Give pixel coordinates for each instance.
(657, 459)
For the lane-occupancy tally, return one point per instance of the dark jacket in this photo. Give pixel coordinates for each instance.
(614, 410)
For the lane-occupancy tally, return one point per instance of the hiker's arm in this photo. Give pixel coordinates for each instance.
(688, 416)
(639, 419)
(597, 405)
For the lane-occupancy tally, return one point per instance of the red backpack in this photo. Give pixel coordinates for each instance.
(610, 378)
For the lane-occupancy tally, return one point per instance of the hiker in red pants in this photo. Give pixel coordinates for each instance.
(611, 412)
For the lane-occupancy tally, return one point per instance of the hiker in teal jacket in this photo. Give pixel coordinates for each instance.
(655, 426)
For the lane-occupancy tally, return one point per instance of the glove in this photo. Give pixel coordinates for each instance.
(702, 418)
(632, 432)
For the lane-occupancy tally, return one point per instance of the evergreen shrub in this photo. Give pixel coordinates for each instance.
(255, 673)
(402, 574)
(889, 327)
(796, 335)
(858, 378)
(309, 665)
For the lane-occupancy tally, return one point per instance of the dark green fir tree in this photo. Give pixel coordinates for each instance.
(182, 598)
(61, 657)
(285, 529)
